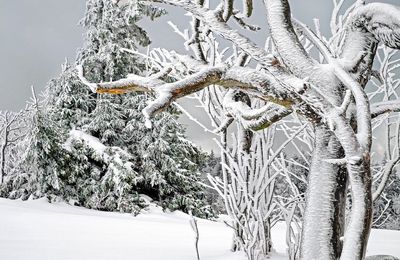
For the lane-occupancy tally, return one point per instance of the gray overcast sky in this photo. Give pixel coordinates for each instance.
(37, 36)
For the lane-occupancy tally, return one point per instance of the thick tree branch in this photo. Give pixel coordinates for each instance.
(283, 92)
(363, 113)
(286, 41)
(379, 19)
(367, 26)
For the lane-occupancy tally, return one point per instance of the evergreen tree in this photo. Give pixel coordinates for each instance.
(93, 150)
(71, 102)
(212, 165)
(165, 160)
(45, 164)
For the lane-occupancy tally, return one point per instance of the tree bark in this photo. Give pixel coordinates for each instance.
(359, 227)
(324, 216)
(3, 156)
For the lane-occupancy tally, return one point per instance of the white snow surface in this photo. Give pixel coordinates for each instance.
(39, 230)
(91, 141)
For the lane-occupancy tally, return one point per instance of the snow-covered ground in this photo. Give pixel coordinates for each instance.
(37, 230)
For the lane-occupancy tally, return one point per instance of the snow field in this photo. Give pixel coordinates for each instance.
(37, 230)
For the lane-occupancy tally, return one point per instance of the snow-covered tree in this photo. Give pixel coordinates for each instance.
(42, 161)
(70, 102)
(212, 166)
(113, 157)
(12, 131)
(328, 90)
(245, 186)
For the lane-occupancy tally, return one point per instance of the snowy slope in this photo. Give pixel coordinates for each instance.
(37, 230)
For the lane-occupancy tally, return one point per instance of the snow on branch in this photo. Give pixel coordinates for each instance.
(195, 39)
(130, 84)
(381, 108)
(254, 119)
(217, 25)
(286, 41)
(386, 173)
(248, 7)
(381, 20)
(248, 80)
(368, 25)
(244, 24)
(363, 115)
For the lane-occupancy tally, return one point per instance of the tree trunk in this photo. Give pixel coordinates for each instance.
(359, 227)
(324, 216)
(3, 156)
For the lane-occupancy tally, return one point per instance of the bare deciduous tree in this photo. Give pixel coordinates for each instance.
(12, 126)
(330, 92)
